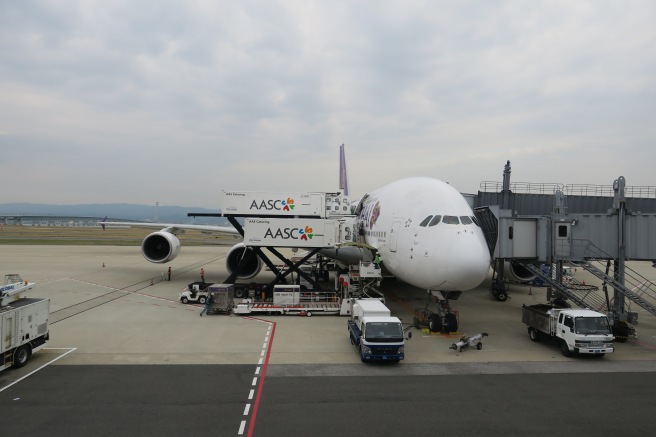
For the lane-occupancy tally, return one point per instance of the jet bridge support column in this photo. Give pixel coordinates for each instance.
(499, 287)
(619, 205)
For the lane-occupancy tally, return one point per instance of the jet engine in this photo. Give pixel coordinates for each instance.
(160, 247)
(513, 271)
(244, 261)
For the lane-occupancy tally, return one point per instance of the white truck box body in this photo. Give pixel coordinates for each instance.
(22, 321)
(263, 203)
(290, 232)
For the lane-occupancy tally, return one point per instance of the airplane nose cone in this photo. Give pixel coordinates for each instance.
(468, 263)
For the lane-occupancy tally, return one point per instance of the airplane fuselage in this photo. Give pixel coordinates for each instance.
(426, 234)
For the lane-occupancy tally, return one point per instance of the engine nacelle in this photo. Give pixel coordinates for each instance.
(513, 271)
(160, 247)
(244, 261)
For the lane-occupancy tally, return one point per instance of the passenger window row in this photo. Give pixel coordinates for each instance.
(432, 220)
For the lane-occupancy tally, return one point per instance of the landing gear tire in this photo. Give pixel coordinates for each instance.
(21, 356)
(415, 322)
(451, 323)
(434, 323)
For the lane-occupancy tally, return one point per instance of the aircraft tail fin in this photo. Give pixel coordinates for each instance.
(343, 178)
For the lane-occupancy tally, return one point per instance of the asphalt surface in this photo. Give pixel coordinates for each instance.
(126, 359)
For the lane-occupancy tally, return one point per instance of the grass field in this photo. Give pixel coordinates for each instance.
(84, 235)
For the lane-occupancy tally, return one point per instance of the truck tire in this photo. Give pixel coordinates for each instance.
(564, 349)
(22, 356)
(434, 323)
(534, 334)
(239, 293)
(361, 356)
(202, 299)
(502, 297)
(184, 300)
(479, 346)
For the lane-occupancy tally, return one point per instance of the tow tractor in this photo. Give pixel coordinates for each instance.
(466, 341)
(196, 292)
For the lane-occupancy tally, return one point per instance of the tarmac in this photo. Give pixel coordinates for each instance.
(122, 342)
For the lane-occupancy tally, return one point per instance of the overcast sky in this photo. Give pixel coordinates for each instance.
(172, 101)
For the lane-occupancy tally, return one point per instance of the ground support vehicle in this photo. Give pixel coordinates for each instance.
(578, 331)
(467, 341)
(23, 330)
(196, 292)
(375, 333)
(290, 300)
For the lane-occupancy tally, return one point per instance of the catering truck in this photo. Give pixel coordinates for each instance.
(23, 323)
(578, 331)
(375, 333)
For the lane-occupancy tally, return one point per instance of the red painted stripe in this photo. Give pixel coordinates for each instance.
(256, 404)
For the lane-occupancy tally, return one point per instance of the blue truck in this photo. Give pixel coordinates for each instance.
(375, 333)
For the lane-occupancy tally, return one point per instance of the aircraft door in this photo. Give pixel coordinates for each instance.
(8, 334)
(396, 225)
(562, 240)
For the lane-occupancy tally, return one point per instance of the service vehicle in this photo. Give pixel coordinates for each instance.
(196, 292)
(23, 323)
(578, 331)
(375, 333)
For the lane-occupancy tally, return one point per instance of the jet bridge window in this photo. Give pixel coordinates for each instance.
(465, 220)
(451, 220)
(425, 221)
(435, 220)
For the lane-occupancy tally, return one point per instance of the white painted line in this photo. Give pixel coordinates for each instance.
(254, 381)
(247, 409)
(250, 395)
(46, 364)
(266, 339)
(241, 427)
(263, 352)
(257, 370)
(260, 361)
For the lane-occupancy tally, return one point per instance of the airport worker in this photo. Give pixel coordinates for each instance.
(169, 273)
(377, 261)
(202, 274)
(208, 305)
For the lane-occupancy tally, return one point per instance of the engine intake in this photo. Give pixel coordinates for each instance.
(244, 261)
(160, 247)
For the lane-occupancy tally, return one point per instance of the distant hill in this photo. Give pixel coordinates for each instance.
(125, 211)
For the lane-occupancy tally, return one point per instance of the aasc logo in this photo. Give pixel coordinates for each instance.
(290, 233)
(271, 204)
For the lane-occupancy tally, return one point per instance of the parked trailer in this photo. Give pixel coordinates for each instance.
(23, 330)
(578, 331)
(290, 300)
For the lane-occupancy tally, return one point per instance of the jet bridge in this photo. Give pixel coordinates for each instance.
(600, 241)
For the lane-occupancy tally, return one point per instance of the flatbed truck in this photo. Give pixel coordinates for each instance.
(578, 331)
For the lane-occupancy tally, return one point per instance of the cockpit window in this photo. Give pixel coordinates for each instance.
(451, 220)
(475, 220)
(465, 220)
(435, 220)
(425, 221)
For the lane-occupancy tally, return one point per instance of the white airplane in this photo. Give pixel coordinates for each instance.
(423, 229)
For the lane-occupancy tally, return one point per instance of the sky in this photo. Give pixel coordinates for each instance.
(147, 101)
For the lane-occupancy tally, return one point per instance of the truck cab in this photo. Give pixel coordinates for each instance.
(375, 333)
(585, 332)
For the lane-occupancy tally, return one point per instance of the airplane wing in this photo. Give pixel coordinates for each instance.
(175, 228)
